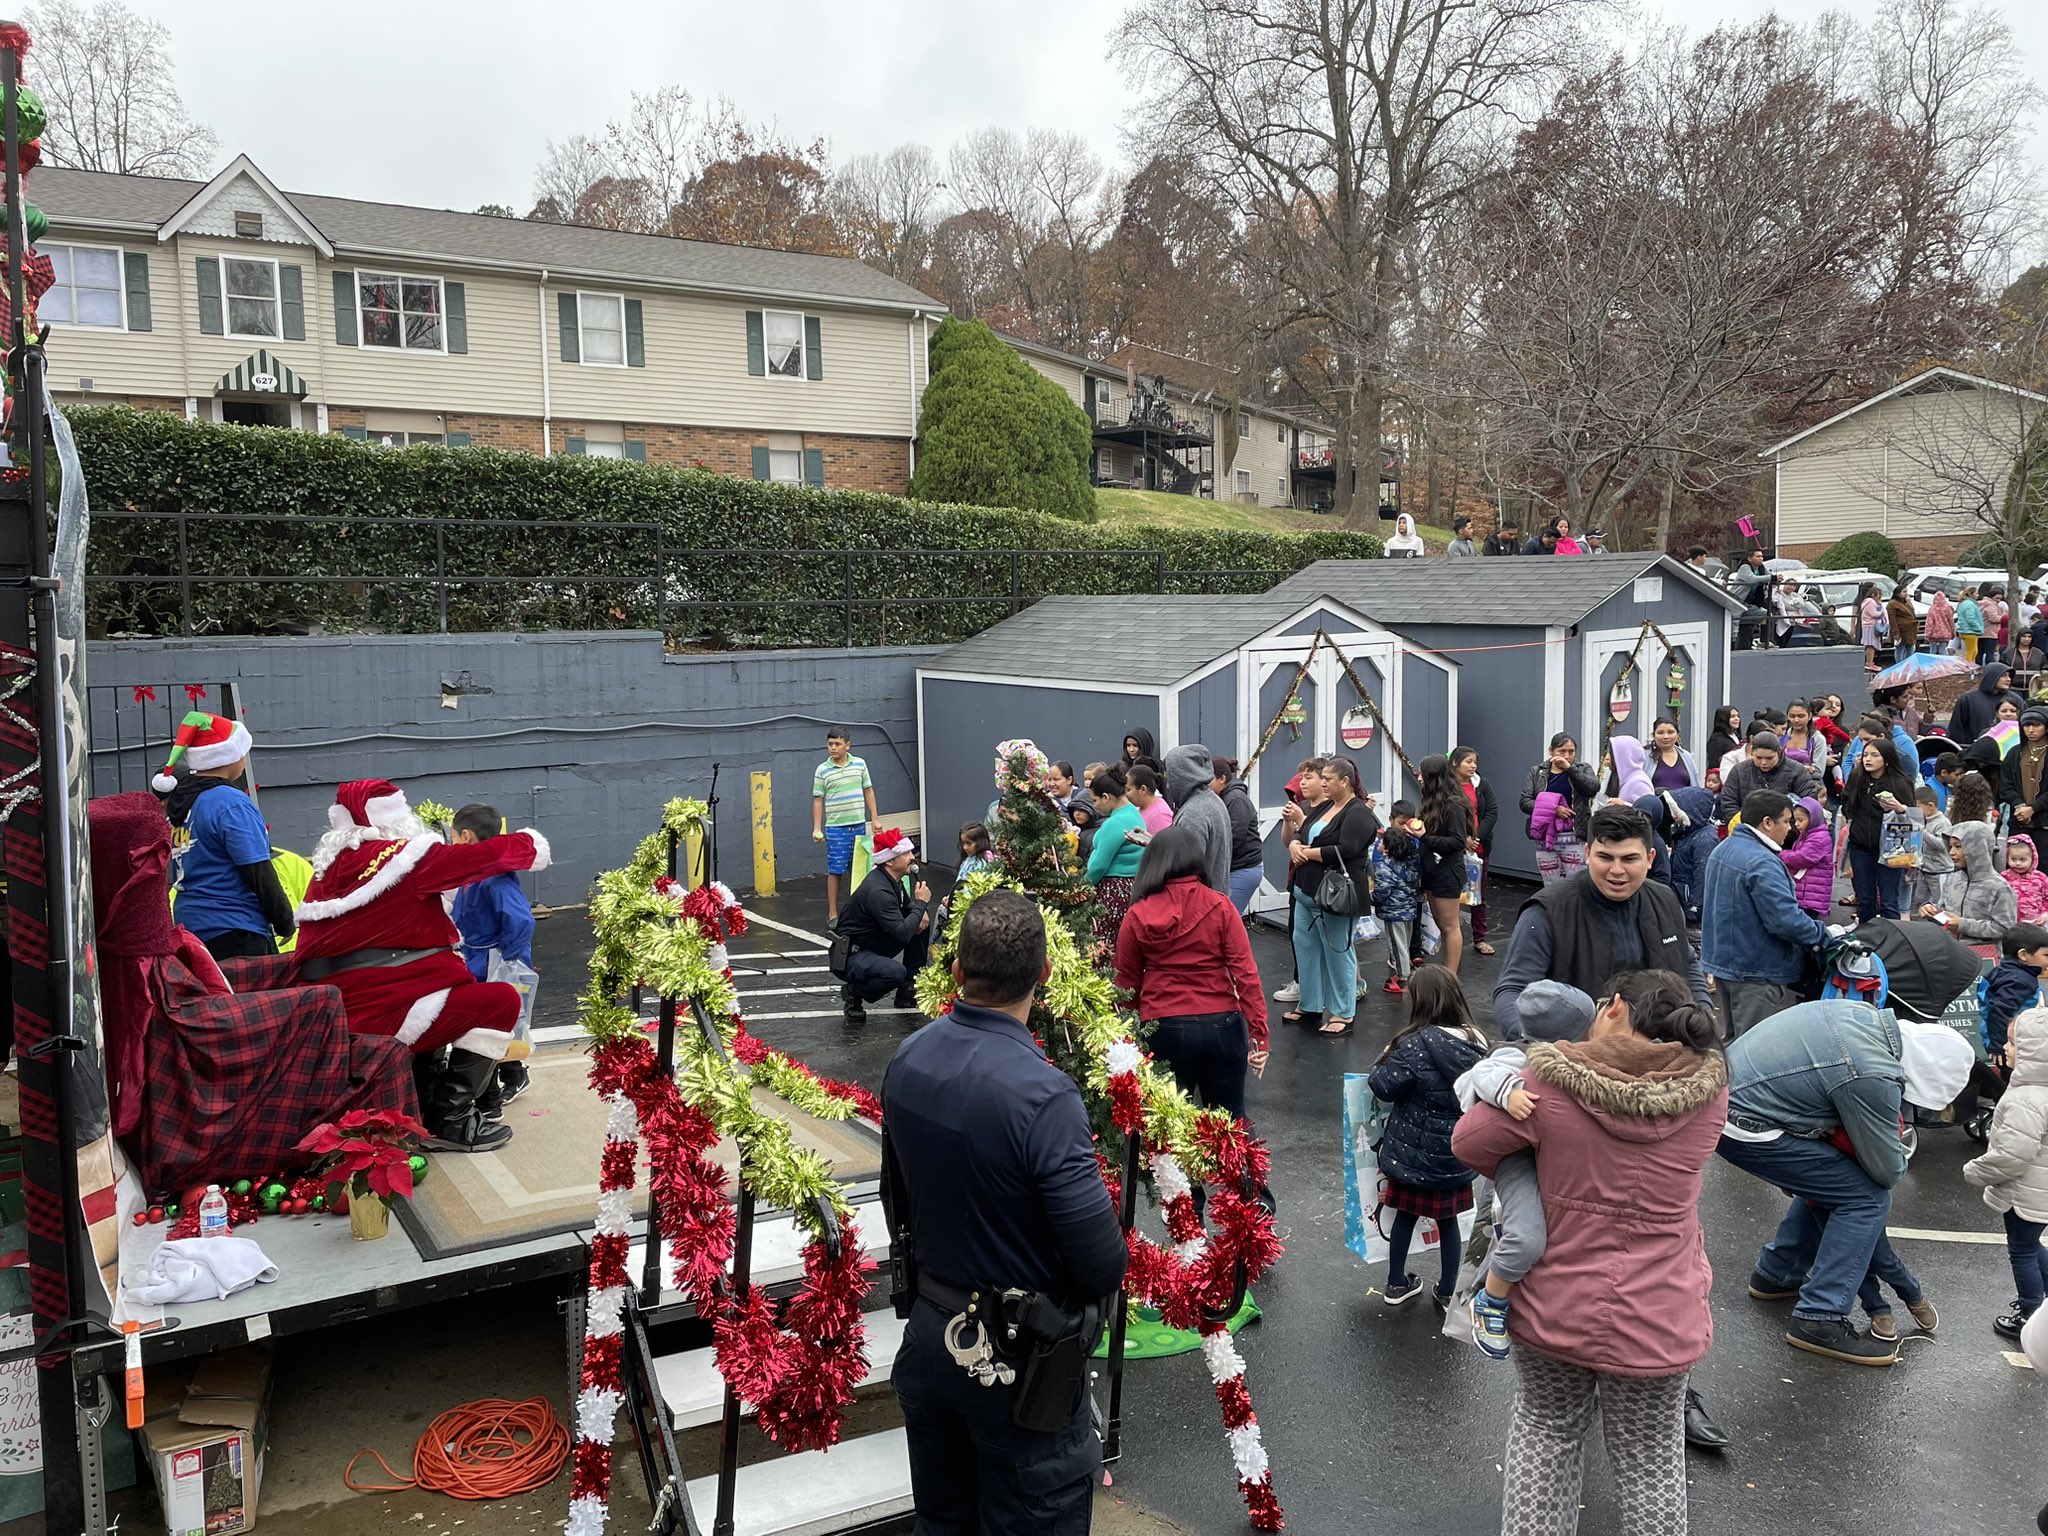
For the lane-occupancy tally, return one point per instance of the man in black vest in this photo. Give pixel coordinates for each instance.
(1610, 916)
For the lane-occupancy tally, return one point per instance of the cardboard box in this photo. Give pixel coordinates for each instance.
(205, 1443)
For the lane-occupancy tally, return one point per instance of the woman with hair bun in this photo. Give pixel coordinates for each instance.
(1622, 1123)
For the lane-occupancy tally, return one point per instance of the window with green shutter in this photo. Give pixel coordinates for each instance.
(211, 321)
(565, 313)
(814, 348)
(814, 467)
(136, 271)
(757, 353)
(291, 297)
(457, 304)
(760, 463)
(574, 445)
(356, 434)
(636, 450)
(636, 335)
(457, 439)
(344, 308)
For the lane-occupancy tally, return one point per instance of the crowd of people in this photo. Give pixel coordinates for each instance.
(1658, 1004)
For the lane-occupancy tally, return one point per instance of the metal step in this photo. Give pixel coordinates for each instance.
(816, 1493)
(694, 1392)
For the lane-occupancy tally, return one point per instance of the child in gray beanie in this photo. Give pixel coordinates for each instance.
(1546, 1010)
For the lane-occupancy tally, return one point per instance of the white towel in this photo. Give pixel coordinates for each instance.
(202, 1269)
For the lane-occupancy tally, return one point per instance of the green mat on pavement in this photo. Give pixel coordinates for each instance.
(1147, 1338)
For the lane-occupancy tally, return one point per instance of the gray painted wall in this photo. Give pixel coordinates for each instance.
(1771, 677)
(964, 721)
(1208, 712)
(583, 735)
(1706, 681)
(1426, 711)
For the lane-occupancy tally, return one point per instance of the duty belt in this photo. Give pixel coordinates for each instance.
(363, 959)
(971, 1331)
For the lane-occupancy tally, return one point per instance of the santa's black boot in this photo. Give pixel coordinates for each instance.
(453, 1119)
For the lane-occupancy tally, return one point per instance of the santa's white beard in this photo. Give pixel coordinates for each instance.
(402, 828)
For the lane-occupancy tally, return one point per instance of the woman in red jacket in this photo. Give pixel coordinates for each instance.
(1615, 1311)
(1182, 954)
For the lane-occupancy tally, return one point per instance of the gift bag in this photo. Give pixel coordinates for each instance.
(1366, 929)
(524, 977)
(1899, 839)
(1365, 1123)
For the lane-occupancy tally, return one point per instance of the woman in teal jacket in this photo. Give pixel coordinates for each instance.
(1115, 856)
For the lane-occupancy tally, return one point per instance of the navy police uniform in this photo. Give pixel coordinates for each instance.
(890, 943)
(992, 1146)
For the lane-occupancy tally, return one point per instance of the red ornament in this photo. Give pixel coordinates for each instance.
(14, 35)
(141, 1218)
(31, 155)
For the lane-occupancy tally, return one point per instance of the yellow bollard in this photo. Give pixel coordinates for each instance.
(693, 859)
(764, 836)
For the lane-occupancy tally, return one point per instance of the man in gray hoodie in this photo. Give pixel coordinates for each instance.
(1199, 808)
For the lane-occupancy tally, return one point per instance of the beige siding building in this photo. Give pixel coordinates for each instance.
(1914, 463)
(233, 301)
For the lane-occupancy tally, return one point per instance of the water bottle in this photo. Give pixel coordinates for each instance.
(213, 1213)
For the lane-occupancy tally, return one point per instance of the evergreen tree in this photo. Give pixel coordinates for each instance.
(994, 432)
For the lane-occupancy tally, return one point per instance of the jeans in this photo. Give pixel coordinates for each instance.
(2029, 1259)
(1244, 885)
(1835, 1256)
(1448, 1250)
(1887, 1266)
(1324, 961)
(1206, 1054)
(1879, 888)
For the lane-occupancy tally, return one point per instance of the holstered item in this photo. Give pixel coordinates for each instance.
(1050, 1346)
(896, 1215)
(838, 953)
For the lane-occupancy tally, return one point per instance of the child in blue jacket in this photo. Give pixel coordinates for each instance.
(493, 914)
(1396, 878)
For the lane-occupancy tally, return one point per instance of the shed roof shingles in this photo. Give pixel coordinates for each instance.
(1529, 590)
(92, 197)
(1147, 642)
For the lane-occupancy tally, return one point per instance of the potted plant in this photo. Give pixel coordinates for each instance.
(367, 1158)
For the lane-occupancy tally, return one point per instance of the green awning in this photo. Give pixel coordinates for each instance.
(261, 374)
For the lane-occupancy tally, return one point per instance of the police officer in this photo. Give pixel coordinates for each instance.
(890, 929)
(991, 1180)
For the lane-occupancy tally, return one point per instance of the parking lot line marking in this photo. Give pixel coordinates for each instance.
(795, 933)
(1929, 1235)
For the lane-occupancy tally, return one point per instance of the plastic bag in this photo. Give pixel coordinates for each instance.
(1366, 928)
(1899, 839)
(525, 978)
(1432, 936)
(1475, 873)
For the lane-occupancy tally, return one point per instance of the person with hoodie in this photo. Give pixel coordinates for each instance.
(1416, 1077)
(1767, 767)
(1404, 543)
(1182, 954)
(2013, 1169)
(1138, 752)
(2023, 775)
(1622, 1125)
(1932, 865)
(1684, 820)
(1977, 905)
(1939, 630)
(1809, 856)
(1976, 711)
(1631, 769)
(1557, 797)
(2023, 874)
(1878, 787)
(1754, 939)
(228, 893)
(1396, 890)
(1247, 848)
(1196, 806)
(2013, 987)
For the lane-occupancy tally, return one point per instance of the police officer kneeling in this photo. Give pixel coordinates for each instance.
(885, 931)
(1008, 1250)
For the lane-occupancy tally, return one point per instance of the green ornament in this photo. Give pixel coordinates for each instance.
(242, 1186)
(270, 1196)
(36, 223)
(319, 1202)
(171, 1212)
(29, 114)
(418, 1163)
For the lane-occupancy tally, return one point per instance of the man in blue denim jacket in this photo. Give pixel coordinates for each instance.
(1814, 1100)
(1754, 936)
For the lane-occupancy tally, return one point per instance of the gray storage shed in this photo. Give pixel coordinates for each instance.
(1076, 673)
(1542, 642)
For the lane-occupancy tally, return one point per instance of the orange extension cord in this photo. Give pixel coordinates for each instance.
(488, 1449)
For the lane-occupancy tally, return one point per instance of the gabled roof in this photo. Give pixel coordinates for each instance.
(237, 168)
(1145, 641)
(352, 229)
(1920, 383)
(1531, 590)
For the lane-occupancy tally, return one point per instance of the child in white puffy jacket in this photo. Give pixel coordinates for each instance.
(2013, 1170)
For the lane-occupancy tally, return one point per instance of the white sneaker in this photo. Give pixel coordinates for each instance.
(1291, 993)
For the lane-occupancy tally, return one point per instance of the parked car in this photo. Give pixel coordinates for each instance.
(1923, 581)
(1834, 592)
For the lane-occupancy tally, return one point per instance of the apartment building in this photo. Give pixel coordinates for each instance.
(1167, 423)
(234, 301)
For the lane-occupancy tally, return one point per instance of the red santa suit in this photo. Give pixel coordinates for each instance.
(373, 924)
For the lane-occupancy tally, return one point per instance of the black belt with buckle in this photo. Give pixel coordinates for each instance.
(364, 959)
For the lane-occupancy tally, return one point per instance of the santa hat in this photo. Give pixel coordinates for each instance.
(203, 741)
(892, 844)
(376, 804)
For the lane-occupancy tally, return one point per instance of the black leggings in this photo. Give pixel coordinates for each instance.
(1985, 1083)
(1403, 1234)
(239, 944)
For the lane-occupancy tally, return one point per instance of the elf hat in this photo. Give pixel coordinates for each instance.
(377, 804)
(203, 741)
(892, 844)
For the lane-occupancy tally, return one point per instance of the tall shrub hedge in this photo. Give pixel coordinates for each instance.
(335, 553)
(995, 432)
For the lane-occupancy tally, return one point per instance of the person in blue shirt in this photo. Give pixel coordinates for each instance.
(493, 914)
(229, 895)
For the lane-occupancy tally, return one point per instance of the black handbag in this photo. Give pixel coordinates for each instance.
(1336, 892)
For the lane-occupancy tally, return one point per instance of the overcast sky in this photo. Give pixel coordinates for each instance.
(452, 105)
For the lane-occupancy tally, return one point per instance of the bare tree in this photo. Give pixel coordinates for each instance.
(569, 172)
(1342, 127)
(105, 77)
(888, 206)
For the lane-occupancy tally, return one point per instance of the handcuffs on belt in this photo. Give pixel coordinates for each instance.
(979, 1359)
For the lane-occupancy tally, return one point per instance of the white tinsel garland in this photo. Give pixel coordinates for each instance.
(1121, 1057)
(596, 1408)
(606, 1312)
(1172, 1181)
(586, 1518)
(1249, 1452)
(614, 1211)
(622, 1120)
(1221, 1356)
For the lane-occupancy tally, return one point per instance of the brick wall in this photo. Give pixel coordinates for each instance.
(851, 463)
(1946, 550)
(516, 434)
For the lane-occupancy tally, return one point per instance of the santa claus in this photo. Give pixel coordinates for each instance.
(373, 924)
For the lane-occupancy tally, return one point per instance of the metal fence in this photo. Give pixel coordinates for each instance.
(195, 573)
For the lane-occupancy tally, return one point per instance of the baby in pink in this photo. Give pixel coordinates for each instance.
(2023, 873)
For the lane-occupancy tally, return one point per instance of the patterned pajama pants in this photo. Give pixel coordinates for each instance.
(1642, 1419)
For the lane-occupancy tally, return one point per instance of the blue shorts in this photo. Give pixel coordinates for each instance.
(839, 843)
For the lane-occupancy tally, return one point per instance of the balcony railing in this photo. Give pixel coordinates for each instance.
(1315, 458)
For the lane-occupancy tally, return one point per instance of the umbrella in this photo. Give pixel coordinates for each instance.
(1920, 667)
(1779, 567)
(2007, 734)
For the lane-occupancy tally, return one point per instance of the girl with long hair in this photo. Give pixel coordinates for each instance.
(1726, 736)
(1877, 784)
(1336, 836)
(1446, 829)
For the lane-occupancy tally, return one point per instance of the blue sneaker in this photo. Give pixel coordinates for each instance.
(1490, 1324)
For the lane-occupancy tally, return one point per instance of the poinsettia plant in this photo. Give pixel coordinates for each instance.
(368, 1150)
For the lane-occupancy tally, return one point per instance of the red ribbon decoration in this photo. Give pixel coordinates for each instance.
(144, 694)
(196, 692)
